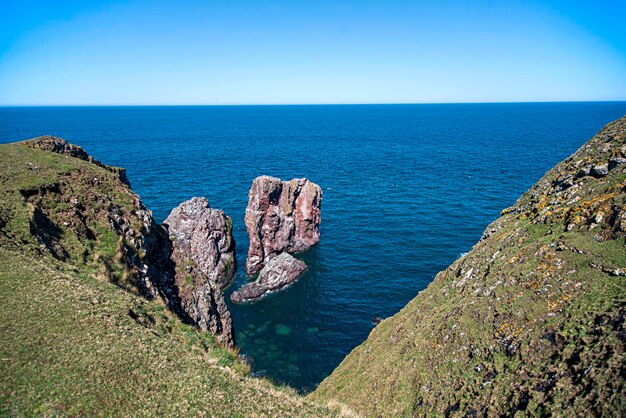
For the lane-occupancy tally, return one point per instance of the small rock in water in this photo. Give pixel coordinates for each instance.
(271, 355)
(278, 273)
(377, 320)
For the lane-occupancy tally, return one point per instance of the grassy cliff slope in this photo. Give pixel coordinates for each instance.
(530, 322)
(81, 332)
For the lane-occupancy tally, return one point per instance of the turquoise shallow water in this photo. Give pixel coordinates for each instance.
(407, 189)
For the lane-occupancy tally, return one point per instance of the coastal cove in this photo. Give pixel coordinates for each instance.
(407, 189)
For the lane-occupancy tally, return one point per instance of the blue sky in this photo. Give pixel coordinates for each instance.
(271, 52)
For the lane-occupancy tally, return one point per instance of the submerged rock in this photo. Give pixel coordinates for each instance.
(282, 216)
(282, 329)
(278, 273)
(203, 254)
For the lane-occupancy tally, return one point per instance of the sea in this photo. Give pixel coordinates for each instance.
(407, 190)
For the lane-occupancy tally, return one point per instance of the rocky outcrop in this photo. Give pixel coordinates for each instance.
(89, 215)
(203, 302)
(90, 210)
(204, 261)
(61, 146)
(282, 216)
(280, 272)
(205, 236)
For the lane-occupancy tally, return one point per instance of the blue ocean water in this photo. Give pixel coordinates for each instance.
(407, 189)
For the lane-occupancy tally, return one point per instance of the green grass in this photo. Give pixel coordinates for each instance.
(69, 346)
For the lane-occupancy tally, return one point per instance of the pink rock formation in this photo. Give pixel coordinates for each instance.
(203, 254)
(280, 272)
(205, 235)
(282, 216)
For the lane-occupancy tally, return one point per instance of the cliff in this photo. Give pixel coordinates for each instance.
(529, 322)
(91, 318)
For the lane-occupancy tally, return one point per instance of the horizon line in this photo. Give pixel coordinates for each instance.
(307, 104)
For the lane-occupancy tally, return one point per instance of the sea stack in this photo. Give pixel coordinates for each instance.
(282, 216)
(280, 272)
(204, 257)
(205, 236)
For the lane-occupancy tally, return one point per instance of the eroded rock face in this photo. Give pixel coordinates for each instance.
(204, 261)
(280, 272)
(144, 260)
(282, 216)
(204, 303)
(205, 235)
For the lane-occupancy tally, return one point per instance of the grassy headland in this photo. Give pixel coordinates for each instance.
(529, 323)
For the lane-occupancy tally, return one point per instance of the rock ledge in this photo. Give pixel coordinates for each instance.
(280, 272)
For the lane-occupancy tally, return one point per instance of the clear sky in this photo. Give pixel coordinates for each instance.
(255, 52)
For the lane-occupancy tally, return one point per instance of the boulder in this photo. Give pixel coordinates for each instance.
(203, 254)
(282, 216)
(600, 170)
(280, 272)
